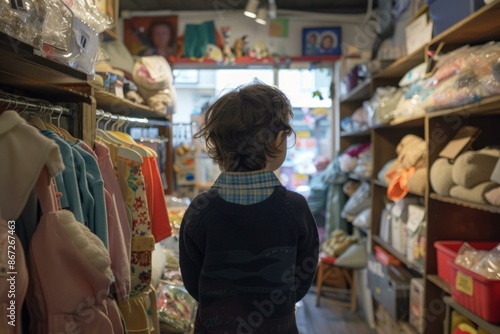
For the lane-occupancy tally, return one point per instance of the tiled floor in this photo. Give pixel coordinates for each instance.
(329, 318)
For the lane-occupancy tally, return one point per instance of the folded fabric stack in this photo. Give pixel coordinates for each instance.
(468, 178)
(407, 173)
(357, 159)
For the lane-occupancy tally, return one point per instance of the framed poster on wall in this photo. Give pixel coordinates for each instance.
(322, 41)
(151, 36)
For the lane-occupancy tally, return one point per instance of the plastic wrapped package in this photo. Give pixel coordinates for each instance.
(57, 29)
(83, 45)
(484, 263)
(363, 219)
(358, 121)
(385, 222)
(23, 20)
(88, 12)
(359, 201)
(456, 91)
(176, 308)
(364, 166)
(172, 276)
(380, 98)
(451, 64)
(464, 76)
(489, 265)
(387, 106)
(176, 209)
(468, 256)
(411, 102)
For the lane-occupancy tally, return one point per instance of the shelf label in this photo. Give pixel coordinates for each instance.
(416, 215)
(464, 284)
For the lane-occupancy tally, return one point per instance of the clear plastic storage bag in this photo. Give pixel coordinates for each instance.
(176, 308)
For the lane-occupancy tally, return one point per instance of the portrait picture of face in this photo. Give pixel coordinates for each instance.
(321, 41)
(151, 36)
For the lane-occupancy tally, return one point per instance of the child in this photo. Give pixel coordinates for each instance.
(248, 246)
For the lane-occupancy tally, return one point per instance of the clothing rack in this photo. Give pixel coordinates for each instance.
(101, 114)
(22, 104)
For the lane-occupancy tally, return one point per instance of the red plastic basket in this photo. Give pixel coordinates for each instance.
(447, 252)
(476, 293)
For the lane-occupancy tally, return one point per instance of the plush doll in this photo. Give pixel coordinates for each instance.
(238, 47)
(259, 50)
(226, 51)
(214, 52)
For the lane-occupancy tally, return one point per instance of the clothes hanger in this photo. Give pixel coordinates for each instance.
(37, 121)
(123, 152)
(63, 131)
(48, 123)
(126, 140)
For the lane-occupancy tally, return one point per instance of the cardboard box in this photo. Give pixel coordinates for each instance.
(418, 33)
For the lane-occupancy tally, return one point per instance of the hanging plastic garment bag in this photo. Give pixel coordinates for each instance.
(69, 273)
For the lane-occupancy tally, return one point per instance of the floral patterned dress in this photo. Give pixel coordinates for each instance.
(133, 189)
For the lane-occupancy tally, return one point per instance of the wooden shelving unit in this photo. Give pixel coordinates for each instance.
(440, 283)
(477, 206)
(447, 218)
(116, 105)
(379, 241)
(361, 92)
(451, 304)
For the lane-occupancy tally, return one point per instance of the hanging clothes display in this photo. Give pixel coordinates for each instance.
(86, 249)
(141, 187)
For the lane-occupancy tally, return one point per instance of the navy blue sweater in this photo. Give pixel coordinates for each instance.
(247, 265)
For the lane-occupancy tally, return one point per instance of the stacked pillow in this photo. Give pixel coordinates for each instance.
(468, 178)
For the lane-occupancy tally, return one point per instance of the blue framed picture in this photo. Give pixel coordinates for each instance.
(322, 41)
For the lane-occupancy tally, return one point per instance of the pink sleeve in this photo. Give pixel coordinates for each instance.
(120, 263)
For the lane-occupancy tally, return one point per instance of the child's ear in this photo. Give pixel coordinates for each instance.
(280, 138)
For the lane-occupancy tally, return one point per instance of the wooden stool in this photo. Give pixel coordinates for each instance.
(325, 268)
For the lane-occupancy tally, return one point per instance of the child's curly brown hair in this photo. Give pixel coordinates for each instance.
(242, 126)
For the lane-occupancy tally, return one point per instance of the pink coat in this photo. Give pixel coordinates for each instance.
(69, 273)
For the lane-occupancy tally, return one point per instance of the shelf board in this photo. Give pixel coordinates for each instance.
(408, 327)
(20, 66)
(362, 133)
(483, 25)
(246, 62)
(360, 92)
(365, 230)
(478, 206)
(410, 122)
(489, 105)
(112, 103)
(489, 327)
(379, 183)
(440, 283)
(401, 66)
(356, 177)
(398, 255)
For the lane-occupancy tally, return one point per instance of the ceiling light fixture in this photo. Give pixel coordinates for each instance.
(262, 16)
(273, 9)
(251, 8)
